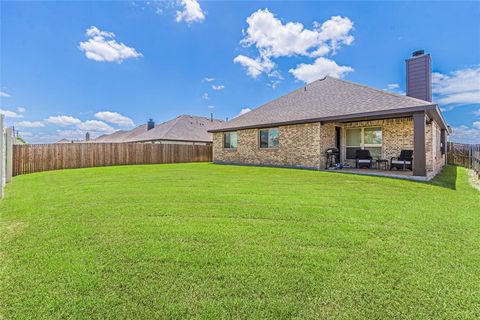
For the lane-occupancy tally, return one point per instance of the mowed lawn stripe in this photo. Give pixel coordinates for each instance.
(211, 241)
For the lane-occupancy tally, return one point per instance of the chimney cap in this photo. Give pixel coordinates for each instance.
(418, 53)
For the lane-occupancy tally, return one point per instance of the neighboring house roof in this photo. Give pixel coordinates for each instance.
(64, 140)
(327, 99)
(114, 137)
(182, 128)
(120, 135)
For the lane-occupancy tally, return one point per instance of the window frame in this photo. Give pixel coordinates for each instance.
(224, 139)
(268, 147)
(363, 145)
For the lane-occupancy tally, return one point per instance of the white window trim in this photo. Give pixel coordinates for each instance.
(223, 140)
(363, 145)
(266, 148)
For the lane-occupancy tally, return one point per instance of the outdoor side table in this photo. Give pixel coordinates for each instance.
(382, 164)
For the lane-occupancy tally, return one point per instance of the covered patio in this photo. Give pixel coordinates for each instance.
(398, 174)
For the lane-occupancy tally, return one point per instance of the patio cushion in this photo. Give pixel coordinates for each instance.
(364, 161)
(400, 162)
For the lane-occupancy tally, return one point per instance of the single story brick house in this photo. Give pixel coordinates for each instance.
(295, 130)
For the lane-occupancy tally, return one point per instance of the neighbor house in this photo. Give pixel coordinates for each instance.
(184, 129)
(64, 140)
(296, 130)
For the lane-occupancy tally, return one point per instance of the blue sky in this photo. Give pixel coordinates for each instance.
(68, 68)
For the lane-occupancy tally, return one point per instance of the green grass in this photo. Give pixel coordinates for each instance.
(210, 241)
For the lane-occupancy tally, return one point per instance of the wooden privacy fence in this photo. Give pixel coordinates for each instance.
(43, 157)
(465, 155)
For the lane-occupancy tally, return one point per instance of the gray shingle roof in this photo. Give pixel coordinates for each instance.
(117, 136)
(64, 140)
(182, 128)
(325, 98)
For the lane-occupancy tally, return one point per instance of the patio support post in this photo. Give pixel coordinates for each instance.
(419, 151)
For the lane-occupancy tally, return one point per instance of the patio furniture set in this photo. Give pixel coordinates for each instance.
(363, 159)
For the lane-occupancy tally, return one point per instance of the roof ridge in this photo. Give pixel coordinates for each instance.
(195, 116)
(380, 90)
(285, 95)
(171, 127)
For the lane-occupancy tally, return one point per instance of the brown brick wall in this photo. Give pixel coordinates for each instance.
(299, 147)
(435, 159)
(304, 145)
(397, 135)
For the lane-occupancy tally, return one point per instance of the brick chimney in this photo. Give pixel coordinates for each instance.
(419, 76)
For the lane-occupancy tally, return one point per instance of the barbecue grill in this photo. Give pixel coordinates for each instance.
(333, 157)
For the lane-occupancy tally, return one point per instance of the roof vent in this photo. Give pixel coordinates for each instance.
(418, 53)
(150, 124)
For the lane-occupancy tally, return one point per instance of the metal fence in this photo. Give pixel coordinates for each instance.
(465, 155)
(43, 157)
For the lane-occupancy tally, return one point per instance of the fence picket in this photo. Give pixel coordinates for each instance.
(44, 157)
(465, 155)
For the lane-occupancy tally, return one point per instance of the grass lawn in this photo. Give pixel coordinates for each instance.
(210, 241)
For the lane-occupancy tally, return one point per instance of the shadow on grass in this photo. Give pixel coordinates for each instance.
(447, 178)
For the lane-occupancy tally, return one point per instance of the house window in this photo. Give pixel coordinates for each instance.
(364, 138)
(230, 140)
(269, 138)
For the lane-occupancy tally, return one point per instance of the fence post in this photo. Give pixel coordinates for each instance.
(2, 157)
(8, 154)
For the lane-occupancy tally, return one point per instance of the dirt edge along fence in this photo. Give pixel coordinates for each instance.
(43, 157)
(465, 155)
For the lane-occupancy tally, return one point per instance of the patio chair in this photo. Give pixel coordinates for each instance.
(363, 159)
(403, 162)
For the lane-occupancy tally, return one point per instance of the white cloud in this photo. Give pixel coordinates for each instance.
(458, 87)
(10, 114)
(273, 83)
(255, 67)
(465, 134)
(63, 120)
(218, 88)
(21, 109)
(30, 124)
(320, 68)
(477, 112)
(394, 88)
(211, 107)
(336, 31)
(95, 126)
(102, 46)
(191, 12)
(4, 94)
(115, 118)
(273, 38)
(207, 79)
(205, 96)
(243, 111)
